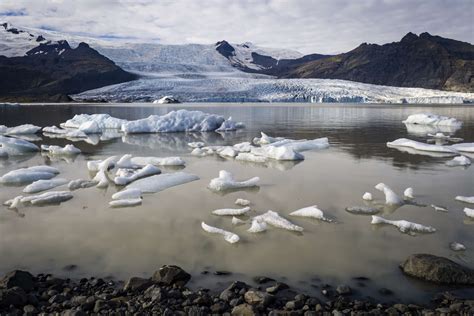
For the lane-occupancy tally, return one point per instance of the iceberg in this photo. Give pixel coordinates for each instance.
(363, 210)
(124, 179)
(251, 158)
(20, 129)
(161, 182)
(226, 181)
(404, 142)
(303, 145)
(231, 211)
(455, 246)
(167, 99)
(228, 236)
(391, 198)
(277, 153)
(64, 133)
(28, 175)
(403, 226)
(104, 121)
(465, 199)
(43, 185)
(126, 202)
(469, 212)
(52, 197)
(311, 212)
(3, 153)
(242, 202)
(80, 184)
(127, 194)
(459, 161)
(432, 119)
(367, 196)
(408, 193)
(464, 147)
(58, 150)
(14, 146)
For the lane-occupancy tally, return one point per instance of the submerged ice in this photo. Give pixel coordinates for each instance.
(228, 236)
(403, 226)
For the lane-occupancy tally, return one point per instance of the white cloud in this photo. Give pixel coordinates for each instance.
(308, 26)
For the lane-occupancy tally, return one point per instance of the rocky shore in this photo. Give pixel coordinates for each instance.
(165, 293)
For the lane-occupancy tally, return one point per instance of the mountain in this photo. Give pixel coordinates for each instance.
(424, 61)
(51, 71)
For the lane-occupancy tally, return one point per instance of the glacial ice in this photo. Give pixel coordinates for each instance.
(101, 179)
(196, 144)
(277, 153)
(404, 142)
(161, 182)
(403, 226)
(226, 181)
(251, 158)
(367, 196)
(465, 199)
(459, 161)
(104, 121)
(274, 219)
(311, 212)
(464, 147)
(52, 197)
(391, 198)
(228, 236)
(229, 125)
(363, 210)
(408, 193)
(146, 171)
(228, 152)
(303, 144)
(43, 185)
(257, 225)
(469, 212)
(64, 133)
(243, 147)
(231, 211)
(14, 146)
(90, 127)
(14, 203)
(455, 246)
(158, 161)
(126, 202)
(167, 99)
(106, 164)
(58, 150)
(432, 119)
(242, 202)
(127, 194)
(80, 184)
(29, 175)
(20, 129)
(265, 139)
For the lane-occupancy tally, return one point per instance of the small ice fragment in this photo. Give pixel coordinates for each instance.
(228, 152)
(469, 212)
(465, 199)
(126, 162)
(158, 161)
(106, 164)
(391, 198)
(265, 139)
(432, 119)
(228, 236)
(20, 129)
(161, 182)
(196, 144)
(52, 197)
(367, 196)
(274, 219)
(365, 210)
(242, 202)
(403, 226)
(408, 193)
(312, 212)
(439, 208)
(126, 202)
(258, 225)
(80, 184)
(58, 150)
(243, 147)
(455, 246)
(459, 161)
(464, 147)
(231, 211)
(146, 171)
(237, 221)
(251, 157)
(43, 185)
(14, 203)
(127, 194)
(226, 181)
(101, 179)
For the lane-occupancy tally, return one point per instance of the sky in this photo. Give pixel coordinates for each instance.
(308, 26)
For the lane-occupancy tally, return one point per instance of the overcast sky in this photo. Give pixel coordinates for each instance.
(309, 26)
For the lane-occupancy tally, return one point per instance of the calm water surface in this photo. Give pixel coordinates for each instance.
(165, 229)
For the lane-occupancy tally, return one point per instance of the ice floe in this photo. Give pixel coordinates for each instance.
(367, 196)
(408, 193)
(363, 210)
(455, 246)
(52, 197)
(127, 194)
(228, 236)
(126, 202)
(15, 146)
(80, 184)
(465, 199)
(439, 208)
(459, 161)
(259, 223)
(403, 226)
(242, 202)
(404, 142)
(226, 181)
(161, 182)
(132, 175)
(469, 212)
(231, 211)
(58, 150)
(432, 119)
(311, 212)
(28, 175)
(43, 185)
(391, 198)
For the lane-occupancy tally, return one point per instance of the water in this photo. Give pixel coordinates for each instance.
(165, 229)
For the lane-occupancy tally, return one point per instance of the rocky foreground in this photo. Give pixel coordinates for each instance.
(165, 293)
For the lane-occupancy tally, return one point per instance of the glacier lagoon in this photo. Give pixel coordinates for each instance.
(166, 227)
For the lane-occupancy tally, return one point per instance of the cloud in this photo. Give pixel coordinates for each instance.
(323, 26)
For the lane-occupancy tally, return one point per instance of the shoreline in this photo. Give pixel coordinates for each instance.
(166, 293)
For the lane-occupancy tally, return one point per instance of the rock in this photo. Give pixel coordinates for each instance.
(219, 307)
(222, 273)
(29, 309)
(170, 275)
(15, 296)
(262, 279)
(22, 279)
(254, 297)
(437, 269)
(243, 310)
(277, 287)
(137, 284)
(232, 290)
(292, 305)
(343, 290)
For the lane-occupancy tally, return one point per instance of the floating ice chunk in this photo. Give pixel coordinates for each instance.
(90, 127)
(403, 226)
(432, 119)
(303, 145)
(265, 139)
(237, 221)
(367, 196)
(58, 150)
(52, 197)
(14, 203)
(364, 210)
(146, 171)
(243, 147)
(391, 198)
(104, 121)
(469, 212)
(167, 99)
(161, 182)
(257, 225)
(201, 152)
(464, 147)
(277, 153)
(465, 199)
(196, 144)
(20, 129)
(274, 219)
(106, 164)
(404, 142)
(101, 179)
(14, 146)
(127, 194)
(43, 185)
(251, 157)
(28, 175)
(229, 125)
(126, 202)
(231, 211)
(228, 152)
(455, 246)
(158, 161)
(126, 162)
(80, 184)
(439, 135)
(459, 161)
(408, 193)
(72, 133)
(228, 236)
(312, 212)
(242, 202)
(439, 208)
(226, 181)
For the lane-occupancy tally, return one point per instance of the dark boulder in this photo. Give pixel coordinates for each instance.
(22, 279)
(137, 284)
(171, 275)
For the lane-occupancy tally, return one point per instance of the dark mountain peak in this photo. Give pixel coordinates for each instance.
(55, 48)
(83, 45)
(225, 49)
(409, 37)
(426, 35)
